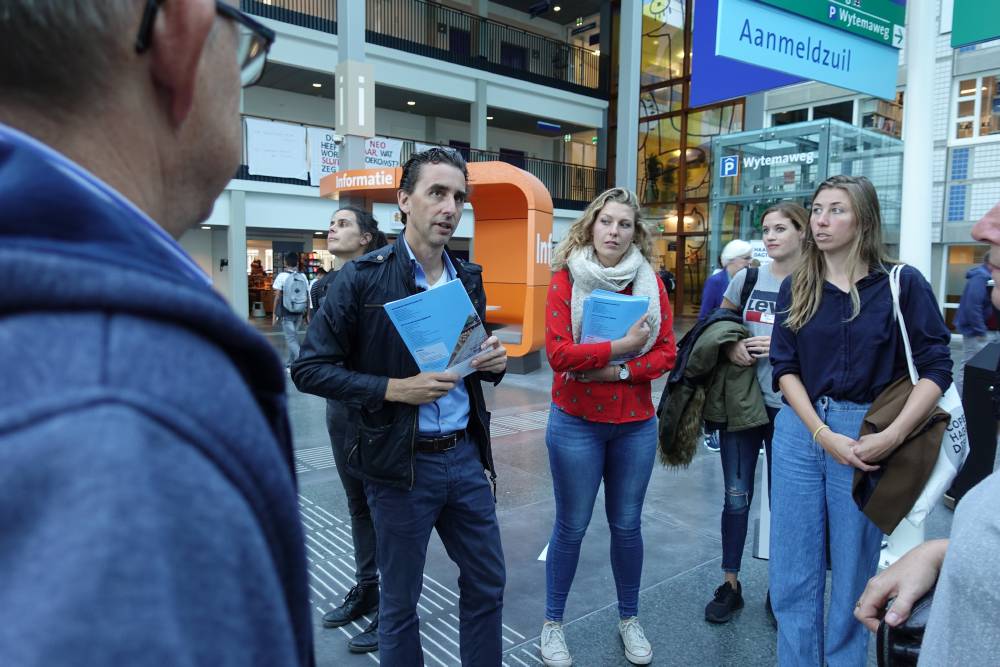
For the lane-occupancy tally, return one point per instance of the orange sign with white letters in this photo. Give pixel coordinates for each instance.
(512, 242)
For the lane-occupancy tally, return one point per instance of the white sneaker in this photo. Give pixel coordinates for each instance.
(554, 650)
(637, 648)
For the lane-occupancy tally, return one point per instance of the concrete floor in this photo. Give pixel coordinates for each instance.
(680, 531)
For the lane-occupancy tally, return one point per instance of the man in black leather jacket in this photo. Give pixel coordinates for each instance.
(420, 441)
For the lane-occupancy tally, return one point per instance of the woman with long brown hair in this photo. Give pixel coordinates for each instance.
(834, 348)
(783, 226)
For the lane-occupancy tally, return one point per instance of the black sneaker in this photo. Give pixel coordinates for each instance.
(360, 600)
(367, 641)
(725, 603)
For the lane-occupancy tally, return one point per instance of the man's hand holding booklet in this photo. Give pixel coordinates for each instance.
(441, 329)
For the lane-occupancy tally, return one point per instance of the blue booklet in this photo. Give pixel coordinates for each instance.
(609, 315)
(440, 327)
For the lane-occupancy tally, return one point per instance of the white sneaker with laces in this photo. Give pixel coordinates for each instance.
(554, 650)
(637, 648)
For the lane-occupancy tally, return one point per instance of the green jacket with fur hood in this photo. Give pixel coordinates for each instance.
(714, 390)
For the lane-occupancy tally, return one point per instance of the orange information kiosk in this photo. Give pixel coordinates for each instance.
(513, 234)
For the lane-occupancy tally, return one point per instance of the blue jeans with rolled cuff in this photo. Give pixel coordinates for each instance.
(812, 495)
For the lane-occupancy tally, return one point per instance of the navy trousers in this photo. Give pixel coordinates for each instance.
(452, 495)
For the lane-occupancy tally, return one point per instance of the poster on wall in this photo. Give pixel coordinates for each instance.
(276, 149)
(324, 153)
(381, 152)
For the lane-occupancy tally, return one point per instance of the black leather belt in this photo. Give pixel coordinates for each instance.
(439, 443)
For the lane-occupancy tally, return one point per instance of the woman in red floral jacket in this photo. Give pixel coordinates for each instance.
(602, 423)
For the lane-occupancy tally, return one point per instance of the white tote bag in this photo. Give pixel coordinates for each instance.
(954, 444)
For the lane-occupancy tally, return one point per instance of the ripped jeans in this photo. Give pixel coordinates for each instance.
(738, 452)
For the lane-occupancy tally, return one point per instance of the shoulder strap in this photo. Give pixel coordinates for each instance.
(748, 284)
(898, 312)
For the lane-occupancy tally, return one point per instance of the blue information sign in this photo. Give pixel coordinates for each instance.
(714, 78)
(757, 33)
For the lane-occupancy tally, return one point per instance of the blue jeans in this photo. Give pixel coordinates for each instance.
(581, 453)
(812, 493)
(452, 495)
(738, 453)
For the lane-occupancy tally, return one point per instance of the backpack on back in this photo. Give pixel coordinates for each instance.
(295, 294)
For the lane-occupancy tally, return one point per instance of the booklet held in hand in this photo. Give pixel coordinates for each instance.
(440, 328)
(609, 315)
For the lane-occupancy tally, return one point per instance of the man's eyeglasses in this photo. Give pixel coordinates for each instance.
(251, 52)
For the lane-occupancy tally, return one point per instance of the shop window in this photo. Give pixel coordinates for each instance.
(660, 100)
(883, 116)
(662, 50)
(701, 127)
(961, 258)
(842, 111)
(989, 106)
(977, 108)
(789, 117)
(659, 159)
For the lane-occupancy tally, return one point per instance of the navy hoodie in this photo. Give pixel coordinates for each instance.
(148, 508)
(975, 307)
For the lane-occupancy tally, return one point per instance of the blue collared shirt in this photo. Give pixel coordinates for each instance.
(449, 413)
(172, 251)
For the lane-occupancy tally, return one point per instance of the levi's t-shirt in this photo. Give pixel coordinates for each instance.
(758, 316)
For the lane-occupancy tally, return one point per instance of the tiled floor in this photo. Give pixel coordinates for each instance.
(680, 531)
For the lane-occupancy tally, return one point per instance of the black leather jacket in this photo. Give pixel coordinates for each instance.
(352, 349)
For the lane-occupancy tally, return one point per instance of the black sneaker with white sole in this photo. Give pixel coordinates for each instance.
(727, 601)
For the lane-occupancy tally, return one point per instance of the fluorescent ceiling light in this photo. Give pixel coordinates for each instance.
(317, 85)
(411, 103)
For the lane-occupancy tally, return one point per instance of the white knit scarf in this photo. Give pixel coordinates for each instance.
(588, 274)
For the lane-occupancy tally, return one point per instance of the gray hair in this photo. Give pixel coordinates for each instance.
(60, 52)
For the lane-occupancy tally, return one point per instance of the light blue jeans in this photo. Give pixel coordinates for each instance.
(581, 454)
(812, 494)
(290, 327)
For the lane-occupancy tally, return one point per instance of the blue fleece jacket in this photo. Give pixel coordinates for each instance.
(855, 359)
(147, 496)
(975, 307)
(712, 293)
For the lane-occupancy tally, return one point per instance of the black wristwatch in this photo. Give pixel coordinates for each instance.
(623, 372)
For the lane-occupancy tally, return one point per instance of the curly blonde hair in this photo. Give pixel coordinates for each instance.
(581, 232)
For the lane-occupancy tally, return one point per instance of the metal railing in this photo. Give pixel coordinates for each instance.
(433, 30)
(570, 185)
(315, 14)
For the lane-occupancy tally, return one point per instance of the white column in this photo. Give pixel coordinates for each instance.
(918, 180)
(477, 118)
(236, 247)
(629, 58)
(918, 137)
(350, 49)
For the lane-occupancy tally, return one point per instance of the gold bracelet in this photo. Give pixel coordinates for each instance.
(816, 432)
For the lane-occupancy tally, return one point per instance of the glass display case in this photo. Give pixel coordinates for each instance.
(758, 168)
